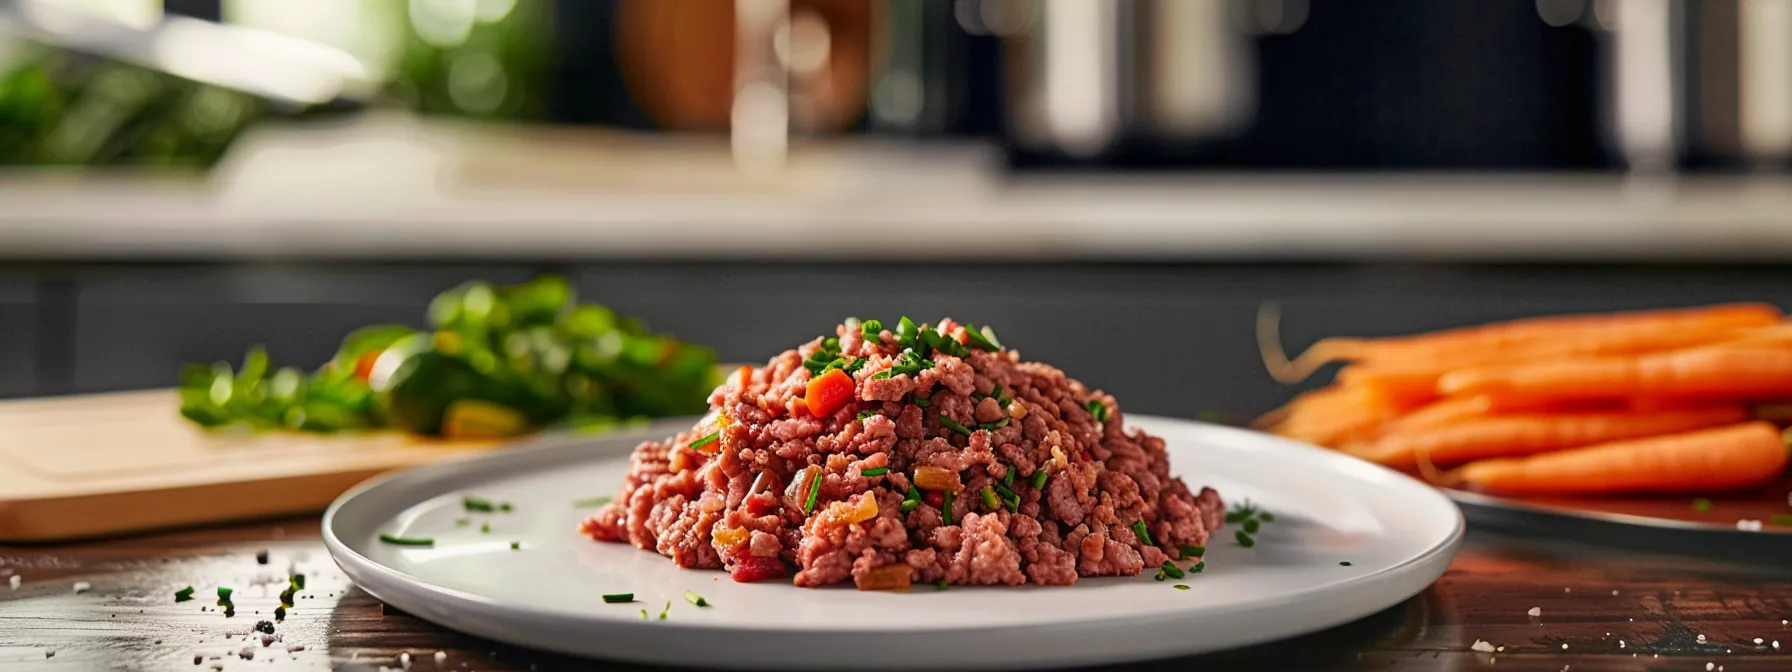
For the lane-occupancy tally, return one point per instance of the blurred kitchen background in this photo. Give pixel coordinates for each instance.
(1116, 185)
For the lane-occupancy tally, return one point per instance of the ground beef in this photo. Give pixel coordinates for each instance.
(779, 490)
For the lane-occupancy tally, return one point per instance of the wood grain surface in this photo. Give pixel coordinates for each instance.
(1599, 608)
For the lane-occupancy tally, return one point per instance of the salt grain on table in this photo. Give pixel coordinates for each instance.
(441, 656)
(16, 581)
(82, 587)
(404, 661)
(1701, 639)
(1748, 525)
(1535, 611)
(1481, 646)
(1710, 666)
(1758, 641)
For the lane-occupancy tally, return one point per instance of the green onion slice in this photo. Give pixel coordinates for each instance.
(693, 598)
(814, 490)
(407, 541)
(906, 332)
(871, 329)
(1193, 551)
(183, 594)
(1172, 570)
(479, 504)
(1039, 479)
(953, 425)
(614, 598)
(982, 339)
(1138, 528)
(923, 403)
(1251, 525)
(699, 443)
(1008, 477)
(1244, 539)
(584, 503)
(874, 471)
(1181, 587)
(909, 505)
(667, 610)
(946, 508)
(989, 498)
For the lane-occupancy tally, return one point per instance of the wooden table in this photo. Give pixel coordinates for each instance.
(1601, 608)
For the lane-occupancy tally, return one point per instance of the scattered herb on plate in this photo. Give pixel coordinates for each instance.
(590, 503)
(693, 598)
(407, 541)
(615, 598)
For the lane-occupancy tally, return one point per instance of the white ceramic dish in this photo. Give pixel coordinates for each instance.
(1397, 534)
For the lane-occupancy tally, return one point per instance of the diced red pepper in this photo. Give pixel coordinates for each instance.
(934, 499)
(753, 568)
(828, 393)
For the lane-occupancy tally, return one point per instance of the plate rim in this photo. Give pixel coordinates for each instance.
(364, 570)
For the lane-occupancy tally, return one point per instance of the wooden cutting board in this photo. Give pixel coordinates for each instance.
(95, 465)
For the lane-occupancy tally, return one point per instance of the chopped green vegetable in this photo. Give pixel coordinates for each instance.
(865, 414)
(939, 585)
(588, 503)
(1193, 551)
(922, 402)
(1251, 525)
(906, 333)
(874, 471)
(1266, 517)
(643, 614)
(1138, 528)
(1701, 505)
(297, 581)
(946, 508)
(1180, 587)
(615, 598)
(953, 425)
(814, 491)
(1345, 563)
(516, 545)
(224, 594)
(506, 507)
(881, 375)
(1160, 576)
(871, 329)
(407, 541)
(989, 498)
(909, 505)
(1170, 569)
(478, 504)
(993, 426)
(711, 438)
(1008, 477)
(1198, 567)
(183, 594)
(1038, 479)
(982, 339)
(693, 598)
(666, 610)
(1244, 539)
(1781, 519)
(831, 343)
(1096, 409)
(463, 522)
(485, 528)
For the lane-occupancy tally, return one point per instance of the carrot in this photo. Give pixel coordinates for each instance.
(1512, 435)
(1410, 386)
(1518, 339)
(1709, 460)
(1708, 372)
(1331, 416)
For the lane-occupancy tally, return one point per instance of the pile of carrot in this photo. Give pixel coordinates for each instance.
(1658, 401)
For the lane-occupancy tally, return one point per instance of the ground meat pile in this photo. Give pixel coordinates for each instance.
(914, 453)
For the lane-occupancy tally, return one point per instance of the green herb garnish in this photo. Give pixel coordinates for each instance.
(1266, 517)
(478, 504)
(1345, 563)
(463, 522)
(1781, 519)
(643, 614)
(923, 403)
(506, 507)
(183, 594)
(906, 333)
(1008, 477)
(1013, 502)
(1170, 569)
(982, 339)
(989, 498)
(871, 329)
(909, 505)
(993, 426)
(224, 594)
(946, 508)
(939, 585)
(865, 414)
(1180, 587)
(874, 471)
(1096, 409)
(485, 528)
(297, 581)
(814, 491)
(1160, 576)
(1038, 479)
(953, 425)
(407, 541)
(1251, 525)
(699, 443)
(1244, 540)
(1193, 551)
(666, 610)
(1138, 528)
(516, 545)
(1198, 567)
(1701, 505)
(594, 501)
(614, 598)
(693, 598)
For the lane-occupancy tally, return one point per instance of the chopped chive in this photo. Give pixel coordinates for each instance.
(1138, 528)
(666, 610)
(1038, 480)
(909, 505)
(1003, 490)
(1008, 477)
(939, 585)
(485, 528)
(297, 581)
(1160, 575)
(1345, 563)
(516, 545)
(1251, 526)
(865, 414)
(479, 504)
(699, 443)
(831, 343)
(906, 332)
(585, 503)
(1193, 551)
(1181, 587)
(693, 598)
(886, 373)
(407, 541)
(643, 614)
(614, 598)
(1198, 567)
(1266, 517)
(1172, 570)
(993, 426)
(1096, 409)
(506, 507)
(982, 339)
(854, 365)
(871, 329)
(989, 498)
(814, 490)
(463, 522)
(923, 403)
(1780, 519)
(874, 471)
(946, 508)
(1244, 540)
(953, 425)
(1013, 503)
(183, 594)
(224, 593)
(1701, 505)
(997, 393)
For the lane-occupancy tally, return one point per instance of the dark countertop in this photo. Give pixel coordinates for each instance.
(1601, 608)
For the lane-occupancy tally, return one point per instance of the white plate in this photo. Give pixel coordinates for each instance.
(1398, 534)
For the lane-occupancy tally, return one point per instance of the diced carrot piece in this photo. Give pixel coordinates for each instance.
(936, 478)
(828, 393)
(886, 577)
